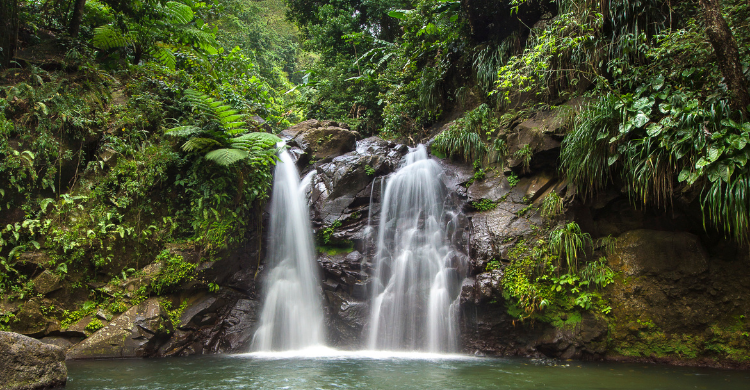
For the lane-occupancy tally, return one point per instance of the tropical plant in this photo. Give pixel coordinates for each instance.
(570, 243)
(224, 138)
(552, 205)
(162, 31)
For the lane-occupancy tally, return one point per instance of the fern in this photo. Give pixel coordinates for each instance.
(177, 13)
(232, 142)
(109, 37)
(199, 144)
(226, 157)
(165, 56)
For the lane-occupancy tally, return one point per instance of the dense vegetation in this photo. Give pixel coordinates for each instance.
(664, 87)
(127, 127)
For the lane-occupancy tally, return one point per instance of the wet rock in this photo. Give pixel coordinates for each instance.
(29, 364)
(62, 342)
(31, 263)
(47, 282)
(493, 187)
(319, 140)
(487, 286)
(666, 254)
(342, 188)
(585, 340)
(30, 320)
(495, 230)
(239, 325)
(135, 333)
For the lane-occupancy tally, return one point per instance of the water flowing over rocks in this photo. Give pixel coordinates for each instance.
(29, 364)
(673, 277)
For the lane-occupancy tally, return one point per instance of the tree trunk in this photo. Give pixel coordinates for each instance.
(727, 54)
(75, 20)
(8, 31)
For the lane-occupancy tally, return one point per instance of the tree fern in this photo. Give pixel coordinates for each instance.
(177, 13)
(226, 156)
(232, 142)
(109, 37)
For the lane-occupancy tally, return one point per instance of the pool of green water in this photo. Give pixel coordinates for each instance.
(387, 371)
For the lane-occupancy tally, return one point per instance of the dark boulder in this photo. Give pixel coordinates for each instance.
(29, 364)
(315, 140)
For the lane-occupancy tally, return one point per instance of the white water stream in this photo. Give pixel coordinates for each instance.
(292, 314)
(413, 307)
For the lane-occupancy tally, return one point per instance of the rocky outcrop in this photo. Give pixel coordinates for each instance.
(29, 364)
(319, 141)
(135, 333)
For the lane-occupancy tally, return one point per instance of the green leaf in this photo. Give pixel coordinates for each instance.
(400, 13)
(714, 152)
(612, 159)
(658, 82)
(640, 120)
(226, 157)
(109, 37)
(654, 129)
(643, 103)
(684, 175)
(702, 162)
(178, 13)
(165, 57)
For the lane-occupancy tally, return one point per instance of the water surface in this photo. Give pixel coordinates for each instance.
(378, 370)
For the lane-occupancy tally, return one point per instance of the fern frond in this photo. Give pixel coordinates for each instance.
(177, 13)
(184, 131)
(165, 56)
(199, 144)
(225, 157)
(255, 140)
(109, 37)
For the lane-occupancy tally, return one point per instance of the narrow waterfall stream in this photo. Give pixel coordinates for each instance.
(292, 314)
(415, 282)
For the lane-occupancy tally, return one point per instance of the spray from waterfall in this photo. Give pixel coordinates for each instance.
(415, 293)
(292, 315)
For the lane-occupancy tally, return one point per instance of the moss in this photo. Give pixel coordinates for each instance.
(333, 250)
(645, 339)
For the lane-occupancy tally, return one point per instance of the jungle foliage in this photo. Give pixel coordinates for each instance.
(152, 128)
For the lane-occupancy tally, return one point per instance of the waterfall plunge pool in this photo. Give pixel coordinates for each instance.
(331, 369)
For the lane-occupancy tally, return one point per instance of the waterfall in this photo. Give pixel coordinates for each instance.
(415, 294)
(292, 314)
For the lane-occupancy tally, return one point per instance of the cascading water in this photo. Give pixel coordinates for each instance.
(414, 297)
(292, 315)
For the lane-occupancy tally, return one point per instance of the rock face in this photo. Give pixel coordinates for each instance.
(29, 364)
(135, 333)
(341, 195)
(315, 140)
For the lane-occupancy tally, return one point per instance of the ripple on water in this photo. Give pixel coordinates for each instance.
(330, 369)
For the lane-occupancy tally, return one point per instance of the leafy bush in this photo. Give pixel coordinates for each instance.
(174, 272)
(94, 325)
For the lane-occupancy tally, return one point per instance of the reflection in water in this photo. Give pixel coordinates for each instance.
(360, 370)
